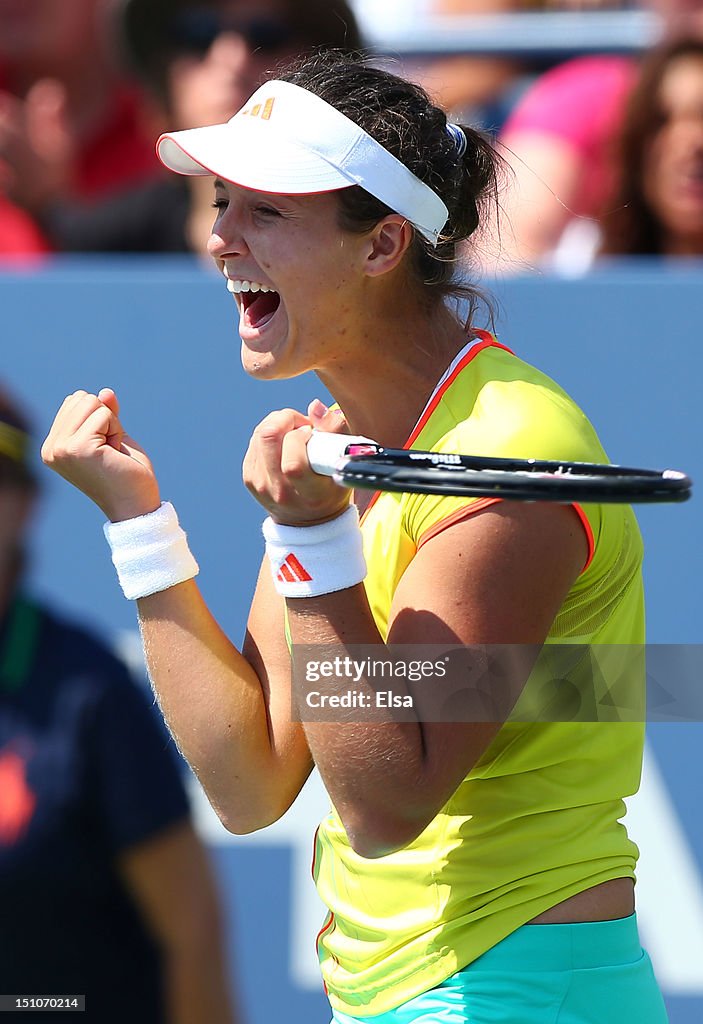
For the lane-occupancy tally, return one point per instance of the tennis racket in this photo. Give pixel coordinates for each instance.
(360, 462)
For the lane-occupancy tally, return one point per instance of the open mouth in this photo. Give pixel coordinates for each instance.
(257, 302)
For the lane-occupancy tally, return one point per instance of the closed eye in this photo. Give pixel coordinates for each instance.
(266, 211)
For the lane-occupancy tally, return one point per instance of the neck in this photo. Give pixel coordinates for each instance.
(412, 353)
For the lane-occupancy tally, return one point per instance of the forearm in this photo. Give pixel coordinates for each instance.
(230, 713)
(215, 706)
(375, 772)
(388, 778)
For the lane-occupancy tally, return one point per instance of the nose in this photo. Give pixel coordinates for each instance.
(226, 238)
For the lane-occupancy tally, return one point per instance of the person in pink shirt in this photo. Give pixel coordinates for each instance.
(559, 143)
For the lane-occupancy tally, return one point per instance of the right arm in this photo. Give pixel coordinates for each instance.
(229, 711)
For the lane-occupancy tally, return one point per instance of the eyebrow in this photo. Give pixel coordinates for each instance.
(218, 183)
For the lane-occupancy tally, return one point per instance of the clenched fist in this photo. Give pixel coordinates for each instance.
(87, 446)
(277, 472)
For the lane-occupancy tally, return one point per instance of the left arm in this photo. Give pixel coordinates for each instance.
(499, 576)
(171, 882)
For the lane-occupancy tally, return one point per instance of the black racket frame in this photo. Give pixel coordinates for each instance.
(402, 471)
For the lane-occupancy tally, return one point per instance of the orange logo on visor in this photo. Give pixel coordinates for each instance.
(262, 110)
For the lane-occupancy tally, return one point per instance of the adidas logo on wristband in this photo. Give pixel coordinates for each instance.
(291, 571)
(308, 561)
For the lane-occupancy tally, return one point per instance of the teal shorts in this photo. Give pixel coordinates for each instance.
(594, 973)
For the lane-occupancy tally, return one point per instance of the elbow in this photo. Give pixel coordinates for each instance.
(243, 807)
(240, 824)
(243, 819)
(374, 835)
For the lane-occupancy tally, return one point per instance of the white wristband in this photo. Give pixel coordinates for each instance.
(150, 552)
(307, 561)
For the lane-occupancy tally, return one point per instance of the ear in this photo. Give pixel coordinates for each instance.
(387, 244)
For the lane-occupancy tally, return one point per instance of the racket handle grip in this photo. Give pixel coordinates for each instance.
(326, 452)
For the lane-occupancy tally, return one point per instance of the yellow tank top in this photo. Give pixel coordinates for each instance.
(537, 820)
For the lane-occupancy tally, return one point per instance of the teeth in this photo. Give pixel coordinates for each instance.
(236, 286)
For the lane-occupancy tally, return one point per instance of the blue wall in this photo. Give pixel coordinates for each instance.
(626, 344)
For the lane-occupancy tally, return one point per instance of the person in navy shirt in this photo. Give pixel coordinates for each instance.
(105, 890)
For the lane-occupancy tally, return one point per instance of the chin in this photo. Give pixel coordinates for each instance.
(262, 365)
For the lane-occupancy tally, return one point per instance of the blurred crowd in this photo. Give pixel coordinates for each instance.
(603, 158)
(603, 152)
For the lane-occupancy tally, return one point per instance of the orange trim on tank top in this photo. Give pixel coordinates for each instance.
(481, 503)
(456, 517)
(487, 340)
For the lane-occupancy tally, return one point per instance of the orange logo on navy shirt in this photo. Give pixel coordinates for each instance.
(17, 801)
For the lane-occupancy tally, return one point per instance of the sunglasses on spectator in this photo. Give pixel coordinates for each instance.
(197, 30)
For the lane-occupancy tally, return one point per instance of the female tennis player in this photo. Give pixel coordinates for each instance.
(473, 871)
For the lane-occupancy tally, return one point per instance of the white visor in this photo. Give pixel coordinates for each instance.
(288, 141)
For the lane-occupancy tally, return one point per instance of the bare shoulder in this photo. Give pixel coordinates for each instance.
(497, 576)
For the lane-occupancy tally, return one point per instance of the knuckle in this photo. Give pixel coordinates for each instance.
(294, 466)
(281, 494)
(91, 402)
(268, 428)
(71, 450)
(269, 434)
(59, 453)
(276, 424)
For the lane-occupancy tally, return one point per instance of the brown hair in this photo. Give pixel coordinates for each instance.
(401, 116)
(630, 226)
